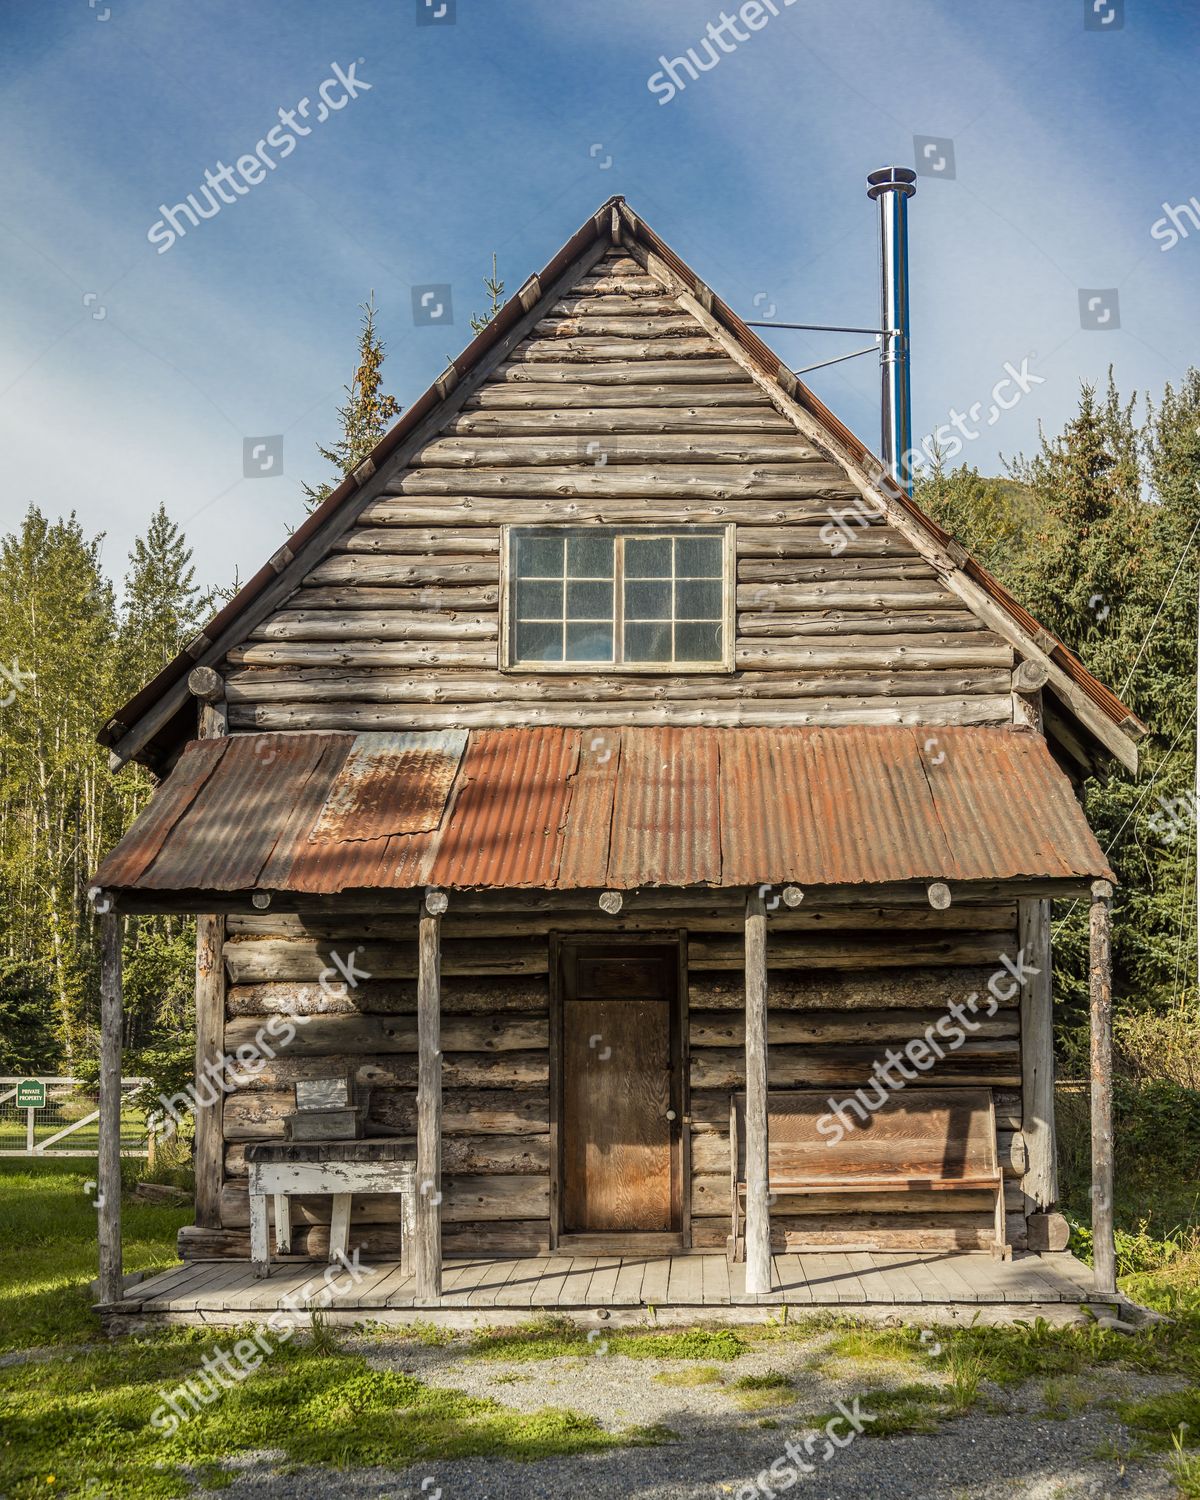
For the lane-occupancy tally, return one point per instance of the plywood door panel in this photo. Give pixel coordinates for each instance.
(617, 1145)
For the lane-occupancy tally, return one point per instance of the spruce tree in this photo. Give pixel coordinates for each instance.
(162, 605)
(494, 288)
(366, 414)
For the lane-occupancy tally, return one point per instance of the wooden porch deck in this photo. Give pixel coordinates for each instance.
(679, 1288)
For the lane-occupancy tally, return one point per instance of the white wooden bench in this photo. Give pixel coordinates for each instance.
(336, 1169)
(926, 1140)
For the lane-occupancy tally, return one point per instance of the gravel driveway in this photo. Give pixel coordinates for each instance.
(1008, 1446)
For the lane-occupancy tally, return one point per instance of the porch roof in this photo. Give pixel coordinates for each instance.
(571, 809)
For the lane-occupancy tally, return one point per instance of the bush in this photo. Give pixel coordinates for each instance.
(1156, 1141)
(1152, 1046)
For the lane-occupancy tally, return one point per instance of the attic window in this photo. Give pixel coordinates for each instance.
(629, 598)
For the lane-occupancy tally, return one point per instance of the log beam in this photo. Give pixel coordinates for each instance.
(210, 1030)
(208, 687)
(427, 1250)
(108, 1202)
(1104, 1258)
(758, 1213)
(1040, 1182)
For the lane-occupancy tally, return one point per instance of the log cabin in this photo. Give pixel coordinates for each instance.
(611, 777)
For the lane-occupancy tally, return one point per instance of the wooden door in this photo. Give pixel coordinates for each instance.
(620, 1097)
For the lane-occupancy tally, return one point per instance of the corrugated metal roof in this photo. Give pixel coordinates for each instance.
(570, 809)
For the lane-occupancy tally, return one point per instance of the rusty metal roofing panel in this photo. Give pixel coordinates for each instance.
(293, 857)
(666, 813)
(985, 828)
(506, 825)
(587, 826)
(136, 852)
(236, 820)
(569, 809)
(391, 783)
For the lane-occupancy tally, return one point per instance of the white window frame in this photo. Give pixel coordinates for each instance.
(727, 534)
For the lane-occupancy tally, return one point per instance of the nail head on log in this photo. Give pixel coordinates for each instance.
(436, 902)
(939, 895)
(792, 895)
(611, 902)
(206, 684)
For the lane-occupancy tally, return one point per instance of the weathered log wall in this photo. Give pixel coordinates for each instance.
(845, 984)
(825, 1031)
(618, 408)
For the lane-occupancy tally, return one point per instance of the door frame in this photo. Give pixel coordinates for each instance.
(681, 1145)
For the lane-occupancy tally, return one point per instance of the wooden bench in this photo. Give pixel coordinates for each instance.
(336, 1169)
(940, 1140)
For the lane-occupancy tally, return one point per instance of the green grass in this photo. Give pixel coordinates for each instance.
(761, 1392)
(98, 1419)
(773, 1380)
(1162, 1420)
(691, 1375)
(48, 1249)
(1185, 1469)
(917, 1407)
(559, 1338)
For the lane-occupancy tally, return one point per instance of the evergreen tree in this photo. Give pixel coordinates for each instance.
(1106, 558)
(1083, 574)
(367, 412)
(162, 606)
(992, 518)
(494, 287)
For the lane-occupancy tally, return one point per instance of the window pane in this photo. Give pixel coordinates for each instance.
(564, 604)
(590, 601)
(698, 600)
(698, 642)
(539, 556)
(698, 557)
(589, 642)
(539, 601)
(648, 601)
(648, 642)
(538, 642)
(648, 557)
(590, 555)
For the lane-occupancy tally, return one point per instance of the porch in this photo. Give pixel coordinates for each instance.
(616, 1290)
(557, 1010)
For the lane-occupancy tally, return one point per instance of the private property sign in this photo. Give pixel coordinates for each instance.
(31, 1094)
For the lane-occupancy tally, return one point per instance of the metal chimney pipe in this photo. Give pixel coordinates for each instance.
(893, 187)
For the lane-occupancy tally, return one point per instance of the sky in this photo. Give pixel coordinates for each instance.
(1049, 135)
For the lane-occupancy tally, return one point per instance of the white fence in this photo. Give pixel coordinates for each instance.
(67, 1123)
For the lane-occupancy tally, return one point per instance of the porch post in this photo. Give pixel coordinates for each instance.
(427, 1258)
(208, 688)
(758, 1213)
(108, 1203)
(1104, 1257)
(1040, 1181)
(210, 1032)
